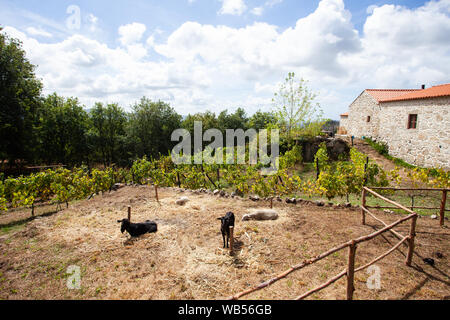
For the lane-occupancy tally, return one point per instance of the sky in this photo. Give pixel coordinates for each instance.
(200, 55)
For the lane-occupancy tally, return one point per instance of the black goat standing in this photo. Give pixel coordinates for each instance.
(137, 229)
(226, 222)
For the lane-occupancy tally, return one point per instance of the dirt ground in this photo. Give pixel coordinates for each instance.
(365, 148)
(185, 259)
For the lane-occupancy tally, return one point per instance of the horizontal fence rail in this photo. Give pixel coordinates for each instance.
(442, 208)
(352, 245)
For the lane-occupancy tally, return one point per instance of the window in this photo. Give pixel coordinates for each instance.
(368, 118)
(412, 121)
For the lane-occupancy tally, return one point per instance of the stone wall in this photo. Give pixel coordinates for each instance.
(356, 125)
(429, 144)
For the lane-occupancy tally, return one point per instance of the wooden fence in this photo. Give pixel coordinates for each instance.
(351, 245)
(441, 209)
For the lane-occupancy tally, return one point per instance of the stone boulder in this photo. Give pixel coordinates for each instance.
(336, 148)
(182, 201)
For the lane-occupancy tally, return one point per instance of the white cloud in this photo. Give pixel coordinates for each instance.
(271, 3)
(233, 7)
(215, 66)
(131, 33)
(370, 9)
(257, 11)
(316, 41)
(38, 32)
(404, 47)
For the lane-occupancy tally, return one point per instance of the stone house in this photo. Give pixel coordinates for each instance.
(414, 123)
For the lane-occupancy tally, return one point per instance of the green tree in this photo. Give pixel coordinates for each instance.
(236, 120)
(108, 131)
(208, 119)
(261, 120)
(20, 92)
(296, 111)
(63, 131)
(151, 126)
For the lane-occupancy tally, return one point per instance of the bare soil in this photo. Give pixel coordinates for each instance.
(365, 148)
(185, 258)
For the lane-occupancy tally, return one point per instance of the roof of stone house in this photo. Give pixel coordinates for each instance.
(388, 94)
(433, 92)
(344, 114)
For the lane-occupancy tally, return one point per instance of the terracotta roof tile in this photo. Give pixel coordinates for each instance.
(385, 94)
(344, 114)
(433, 92)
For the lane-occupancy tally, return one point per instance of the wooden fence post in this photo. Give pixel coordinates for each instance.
(271, 202)
(218, 178)
(442, 211)
(365, 171)
(32, 209)
(231, 239)
(178, 180)
(317, 169)
(156, 192)
(363, 204)
(351, 270)
(412, 234)
(129, 213)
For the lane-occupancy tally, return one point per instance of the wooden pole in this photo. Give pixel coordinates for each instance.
(231, 239)
(389, 201)
(351, 270)
(395, 233)
(156, 192)
(382, 256)
(271, 202)
(363, 205)
(416, 207)
(288, 271)
(32, 209)
(178, 180)
(442, 211)
(218, 177)
(412, 234)
(317, 169)
(365, 171)
(129, 213)
(410, 189)
(323, 285)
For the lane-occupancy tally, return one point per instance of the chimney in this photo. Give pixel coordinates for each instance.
(423, 86)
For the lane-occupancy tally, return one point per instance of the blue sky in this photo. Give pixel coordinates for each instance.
(216, 54)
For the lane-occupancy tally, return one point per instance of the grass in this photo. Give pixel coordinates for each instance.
(383, 149)
(10, 229)
(430, 199)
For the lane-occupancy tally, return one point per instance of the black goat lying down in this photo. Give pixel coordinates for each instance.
(137, 229)
(227, 221)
